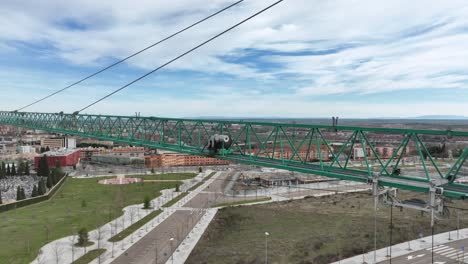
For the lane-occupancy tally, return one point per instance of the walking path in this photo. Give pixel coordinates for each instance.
(175, 235)
(183, 251)
(63, 251)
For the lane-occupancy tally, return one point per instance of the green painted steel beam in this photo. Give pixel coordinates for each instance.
(278, 145)
(227, 121)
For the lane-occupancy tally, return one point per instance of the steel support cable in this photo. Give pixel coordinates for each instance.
(180, 56)
(131, 56)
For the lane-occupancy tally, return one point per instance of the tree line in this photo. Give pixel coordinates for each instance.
(48, 177)
(7, 171)
(46, 149)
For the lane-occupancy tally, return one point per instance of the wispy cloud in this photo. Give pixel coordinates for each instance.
(302, 51)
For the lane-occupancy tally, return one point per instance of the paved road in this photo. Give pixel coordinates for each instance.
(448, 253)
(213, 194)
(156, 246)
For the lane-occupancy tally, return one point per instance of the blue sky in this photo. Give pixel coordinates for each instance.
(301, 59)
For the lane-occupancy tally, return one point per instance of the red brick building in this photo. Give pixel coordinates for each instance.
(168, 159)
(66, 158)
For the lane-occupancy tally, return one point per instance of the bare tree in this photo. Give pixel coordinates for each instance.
(132, 216)
(99, 235)
(48, 230)
(57, 252)
(72, 239)
(40, 258)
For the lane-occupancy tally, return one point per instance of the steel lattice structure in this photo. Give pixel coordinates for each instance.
(317, 149)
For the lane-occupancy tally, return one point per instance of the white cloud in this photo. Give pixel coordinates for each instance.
(391, 44)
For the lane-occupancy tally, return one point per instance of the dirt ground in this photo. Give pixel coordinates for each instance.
(156, 246)
(313, 230)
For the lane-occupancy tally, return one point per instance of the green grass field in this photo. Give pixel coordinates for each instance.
(89, 256)
(33, 226)
(314, 230)
(166, 176)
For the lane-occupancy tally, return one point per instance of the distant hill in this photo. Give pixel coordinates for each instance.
(440, 117)
(426, 117)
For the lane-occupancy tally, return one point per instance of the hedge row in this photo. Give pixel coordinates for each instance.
(129, 230)
(34, 200)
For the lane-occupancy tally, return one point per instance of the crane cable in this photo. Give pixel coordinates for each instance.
(178, 57)
(130, 56)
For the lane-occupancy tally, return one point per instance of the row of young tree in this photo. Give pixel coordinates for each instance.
(48, 178)
(7, 171)
(20, 195)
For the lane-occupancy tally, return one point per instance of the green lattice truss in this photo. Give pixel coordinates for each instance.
(349, 153)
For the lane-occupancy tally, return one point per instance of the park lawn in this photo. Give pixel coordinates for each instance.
(314, 230)
(166, 176)
(89, 256)
(64, 214)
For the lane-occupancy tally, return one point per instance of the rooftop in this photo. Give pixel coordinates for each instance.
(60, 152)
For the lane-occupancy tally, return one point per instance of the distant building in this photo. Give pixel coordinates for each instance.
(303, 154)
(359, 153)
(96, 142)
(65, 157)
(25, 149)
(172, 159)
(132, 152)
(58, 142)
(7, 130)
(383, 152)
(87, 153)
(3, 149)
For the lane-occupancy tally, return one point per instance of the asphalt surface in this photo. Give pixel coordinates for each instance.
(156, 247)
(448, 253)
(213, 194)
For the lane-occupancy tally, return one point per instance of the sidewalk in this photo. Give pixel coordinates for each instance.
(63, 251)
(406, 247)
(188, 244)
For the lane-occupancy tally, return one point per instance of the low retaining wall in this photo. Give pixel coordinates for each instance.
(34, 200)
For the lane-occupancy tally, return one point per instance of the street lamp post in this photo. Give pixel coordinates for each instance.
(172, 249)
(266, 247)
